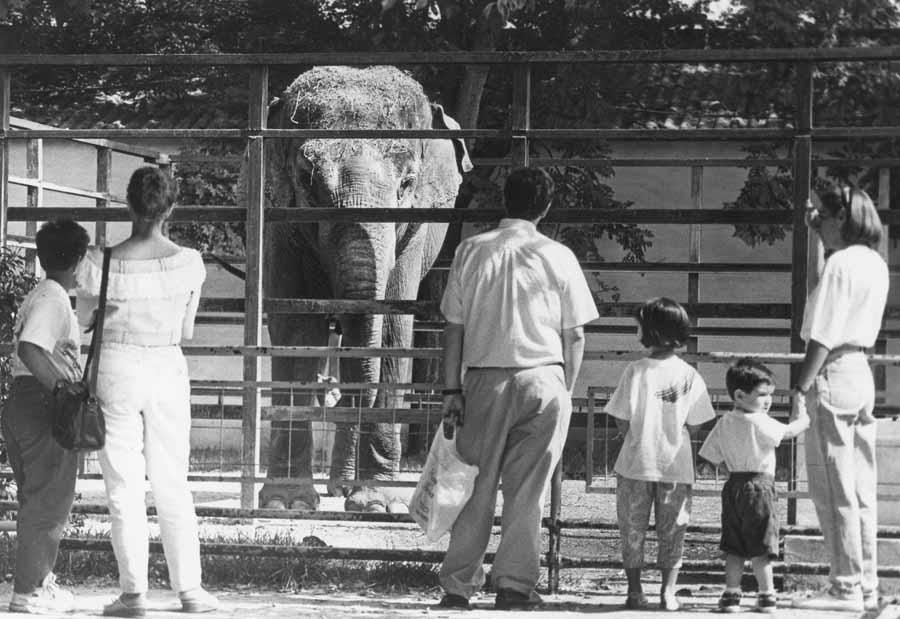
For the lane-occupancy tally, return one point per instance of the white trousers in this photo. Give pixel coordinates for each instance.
(145, 396)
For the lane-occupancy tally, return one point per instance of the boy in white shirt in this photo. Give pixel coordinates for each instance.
(745, 440)
(47, 351)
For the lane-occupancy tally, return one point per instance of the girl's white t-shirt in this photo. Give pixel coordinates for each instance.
(659, 398)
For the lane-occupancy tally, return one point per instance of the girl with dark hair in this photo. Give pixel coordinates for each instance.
(842, 318)
(143, 388)
(658, 399)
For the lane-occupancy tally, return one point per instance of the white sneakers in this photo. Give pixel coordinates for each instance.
(832, 600)
(198, 600)
(45, 600)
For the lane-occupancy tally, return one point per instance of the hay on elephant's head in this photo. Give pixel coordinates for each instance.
(338, 97)
(350, 98)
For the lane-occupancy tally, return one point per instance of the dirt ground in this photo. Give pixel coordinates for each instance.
(324, 603)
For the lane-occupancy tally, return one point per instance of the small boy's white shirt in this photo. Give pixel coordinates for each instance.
(659, 397)
(46, 319)
(745, 442)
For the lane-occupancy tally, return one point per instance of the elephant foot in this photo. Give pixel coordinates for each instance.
(337, 489)
(357, 500)
(300, 498)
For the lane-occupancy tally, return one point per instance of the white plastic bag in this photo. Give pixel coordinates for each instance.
(443, 489)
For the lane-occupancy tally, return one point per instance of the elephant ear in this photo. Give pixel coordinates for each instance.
(441, 120)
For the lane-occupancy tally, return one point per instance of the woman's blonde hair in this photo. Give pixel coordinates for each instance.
(862, 226)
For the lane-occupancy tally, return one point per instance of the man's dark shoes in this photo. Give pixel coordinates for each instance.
(451, 600)
(509, 599)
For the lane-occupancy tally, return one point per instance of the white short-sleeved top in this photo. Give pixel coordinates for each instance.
(847, 305)
(659, 398)
(745, 442)
(149, 302)
(46, 319)
(514, 290)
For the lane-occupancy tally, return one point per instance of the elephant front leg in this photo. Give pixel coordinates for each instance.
(290, 456)
(369, 451)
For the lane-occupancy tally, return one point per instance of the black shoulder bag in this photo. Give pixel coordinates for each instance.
(77, 419)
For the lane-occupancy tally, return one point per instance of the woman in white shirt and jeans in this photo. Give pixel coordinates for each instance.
(143, 388)
(842, 318)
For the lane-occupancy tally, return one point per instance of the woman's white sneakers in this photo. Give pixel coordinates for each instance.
(832, 600)
(198, 600)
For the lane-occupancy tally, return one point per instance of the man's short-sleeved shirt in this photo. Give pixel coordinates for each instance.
(847, 305)
(514, 290)
(744, 442)
(46, 319)
(659, 397)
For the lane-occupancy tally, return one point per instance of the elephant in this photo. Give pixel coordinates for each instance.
(350, 260)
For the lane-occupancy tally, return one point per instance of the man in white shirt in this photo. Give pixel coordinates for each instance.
(515, 304)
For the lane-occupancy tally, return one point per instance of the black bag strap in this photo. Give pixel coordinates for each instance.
(93, 364)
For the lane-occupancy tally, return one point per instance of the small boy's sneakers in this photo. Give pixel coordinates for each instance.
(766, 603)
(870, 600)
(730, 602)
(47, 599)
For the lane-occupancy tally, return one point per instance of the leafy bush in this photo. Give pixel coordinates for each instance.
(15, 282)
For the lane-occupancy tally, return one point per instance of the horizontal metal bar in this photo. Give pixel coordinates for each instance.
(667, 135)
(154, 134)
(625, 162)
(64, 189)
(348, 414)
(664, 56)
(572, 216)
(146, 154)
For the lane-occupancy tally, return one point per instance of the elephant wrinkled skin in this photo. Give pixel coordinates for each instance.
(350, 260)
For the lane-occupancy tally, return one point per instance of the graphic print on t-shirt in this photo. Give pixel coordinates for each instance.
(671, 394)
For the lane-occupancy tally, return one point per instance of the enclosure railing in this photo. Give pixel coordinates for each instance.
(520, 133)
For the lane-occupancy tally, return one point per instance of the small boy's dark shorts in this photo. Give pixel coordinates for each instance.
(749, 516)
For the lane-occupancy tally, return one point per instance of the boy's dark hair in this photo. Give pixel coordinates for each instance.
(746, 374)
(61, 244)
(663, 323)
(151, 193)
(527, 193)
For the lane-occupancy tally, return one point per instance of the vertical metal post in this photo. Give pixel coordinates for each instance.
(555, 532)
(5, 94)
(104, 174)
(259, 92)
(34, 169)
(694, 250)
(521, 114)
(800, 234)
(884, 248)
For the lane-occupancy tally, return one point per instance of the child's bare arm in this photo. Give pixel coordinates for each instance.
(37, 360)
(799, 420)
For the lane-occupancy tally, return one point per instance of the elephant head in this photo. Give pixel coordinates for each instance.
(350, 260)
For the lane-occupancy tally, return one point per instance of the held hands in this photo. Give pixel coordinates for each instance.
(453, 411)
(798, 406)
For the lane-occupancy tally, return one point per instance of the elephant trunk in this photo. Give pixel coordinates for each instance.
(366, 254)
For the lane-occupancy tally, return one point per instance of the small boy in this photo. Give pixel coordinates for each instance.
(745, 439)
(47, 351)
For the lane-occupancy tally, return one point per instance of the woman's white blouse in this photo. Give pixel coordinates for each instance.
(847, 305)
(149, 302)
